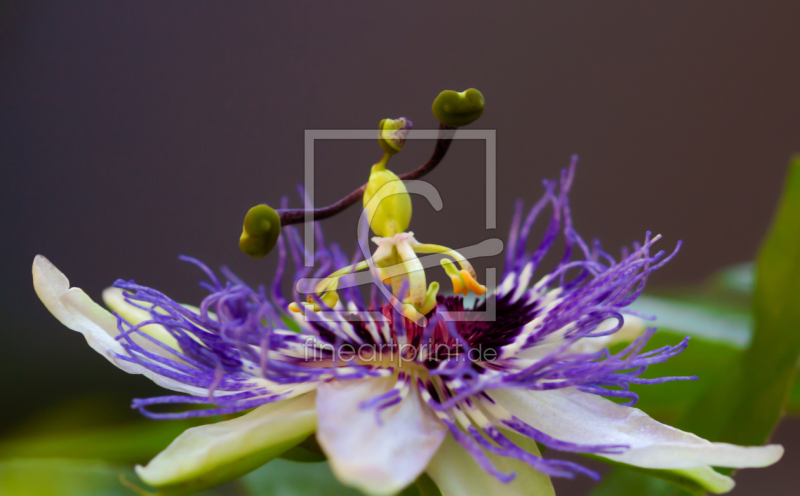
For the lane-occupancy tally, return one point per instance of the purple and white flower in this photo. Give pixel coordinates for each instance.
(458, 398)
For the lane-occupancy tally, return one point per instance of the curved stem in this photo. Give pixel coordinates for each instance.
(298, 215)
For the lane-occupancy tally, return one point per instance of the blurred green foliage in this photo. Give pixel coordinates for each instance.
(757, 385)
(746, 406)
(295, 479)
(58, 477)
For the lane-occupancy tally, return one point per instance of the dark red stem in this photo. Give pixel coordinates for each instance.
(298, 215)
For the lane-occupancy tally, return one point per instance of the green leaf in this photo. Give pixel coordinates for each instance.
(426, 487)
(137, 442)
(744, 404)
(708, 360)
(62, 478)
(622, 482)
(667, 402)
(719, 334)
(637, 480)
(286, 478)
(93, 428)
(747, 405)
(739, 278)
(308, 451)
(714, 323)
(289, 478)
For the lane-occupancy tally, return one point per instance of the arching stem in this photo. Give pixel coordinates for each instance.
(298, 215)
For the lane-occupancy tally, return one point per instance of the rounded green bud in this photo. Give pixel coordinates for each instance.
(392, 134)
(458, 109)
(262, 226)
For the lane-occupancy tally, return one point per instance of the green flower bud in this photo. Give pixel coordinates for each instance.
(458, 109)
(262, 226)
(392, 134)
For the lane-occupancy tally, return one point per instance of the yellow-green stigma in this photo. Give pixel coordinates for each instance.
(260, 231)
(392, 134)
(458, 109)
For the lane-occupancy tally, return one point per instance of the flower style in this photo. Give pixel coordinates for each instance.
(410, 381)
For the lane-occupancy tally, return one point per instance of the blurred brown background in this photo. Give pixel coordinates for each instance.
(131, 132)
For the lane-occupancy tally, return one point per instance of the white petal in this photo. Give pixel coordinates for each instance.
(377, 459)
(577, 417)
(211, 454)
(115, 300)
(632, 328)
(457, 474)
(77, 311)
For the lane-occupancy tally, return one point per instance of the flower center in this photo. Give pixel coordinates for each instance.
(395, 262)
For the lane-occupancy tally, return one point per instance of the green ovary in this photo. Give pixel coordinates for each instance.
(386, 201)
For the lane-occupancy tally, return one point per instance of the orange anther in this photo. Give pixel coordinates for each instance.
(472, 284)
(457, 287)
